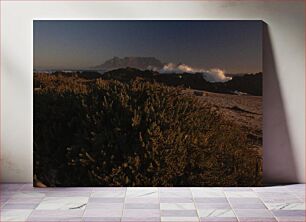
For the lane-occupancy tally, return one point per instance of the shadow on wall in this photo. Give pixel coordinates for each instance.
(278, 160)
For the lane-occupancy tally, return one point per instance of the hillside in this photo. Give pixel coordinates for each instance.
(139, 132)
(250, 83)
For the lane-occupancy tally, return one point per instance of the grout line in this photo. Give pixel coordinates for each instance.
(123, 207)
(265, 205)
(158, 197)
(292, 192)
(4, 203)
(196, 207)
(37, 204)
(230, 204)
(92, 190)
(29, 215)
(19, 189)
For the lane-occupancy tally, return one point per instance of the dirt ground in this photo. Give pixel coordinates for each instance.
(244, 110)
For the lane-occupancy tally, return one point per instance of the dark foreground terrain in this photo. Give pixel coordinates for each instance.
(133, 130)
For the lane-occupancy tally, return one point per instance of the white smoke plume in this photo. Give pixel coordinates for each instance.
(216, 75)
(211, 75)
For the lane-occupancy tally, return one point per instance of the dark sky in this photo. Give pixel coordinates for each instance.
(235, 46)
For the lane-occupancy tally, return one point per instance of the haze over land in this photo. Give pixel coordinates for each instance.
(151, 63)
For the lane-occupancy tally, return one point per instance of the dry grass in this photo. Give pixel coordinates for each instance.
(110, 133)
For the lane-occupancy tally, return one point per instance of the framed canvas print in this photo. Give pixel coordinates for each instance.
(147, 103)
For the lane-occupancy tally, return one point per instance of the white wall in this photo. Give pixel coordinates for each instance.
(284, 84)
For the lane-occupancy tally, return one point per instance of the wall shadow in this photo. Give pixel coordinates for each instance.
(278, 160)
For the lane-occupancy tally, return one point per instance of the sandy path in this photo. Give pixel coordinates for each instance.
(244, 110)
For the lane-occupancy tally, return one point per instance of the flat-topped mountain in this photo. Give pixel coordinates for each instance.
(133, 62)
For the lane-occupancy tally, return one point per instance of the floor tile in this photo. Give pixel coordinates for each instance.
(208, 193)
(278, 189)
(219, 219)
(91, 205)
(300, 195)
(60, 189)
(176, 189)
(25, 200)
(114, 193)
(140, 219)
(10, 186)
(68, 193)
(142, 200)
(224, 205)
(27, 187)
(62, 203)
(57, 213)
(142, 213)
(14, 214)
(142, 192)
(178, 213)
(179, 219)
(248, 206)
(253, 213)
(289, 213)
(237, 189)
(296, 187)
(240, 194)
(274, 197)
(141, 206)
(246, 200)
(3, 200)
(55, 219)
(21, 202)
(210, 200)
(106, 200)
(143, 189)
(103, 213)
(291, 219)
(177, 206)
(109, 189)
(285, 206)
(27, 194)
(256, 219)
(216, 213)
(176, 200)
(20, 206)
(175, 193)
(102, 219)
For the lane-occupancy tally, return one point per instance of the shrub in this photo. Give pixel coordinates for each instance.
(136, 133)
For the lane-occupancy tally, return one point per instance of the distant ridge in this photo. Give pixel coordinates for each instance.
(248, 83)
(132, 62)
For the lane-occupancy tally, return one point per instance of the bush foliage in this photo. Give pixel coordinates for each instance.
(136, 133)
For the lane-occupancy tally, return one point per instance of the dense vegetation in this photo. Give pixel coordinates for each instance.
(134, 133)
(248, 83)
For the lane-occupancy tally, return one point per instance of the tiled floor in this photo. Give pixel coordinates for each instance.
(22, 202)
